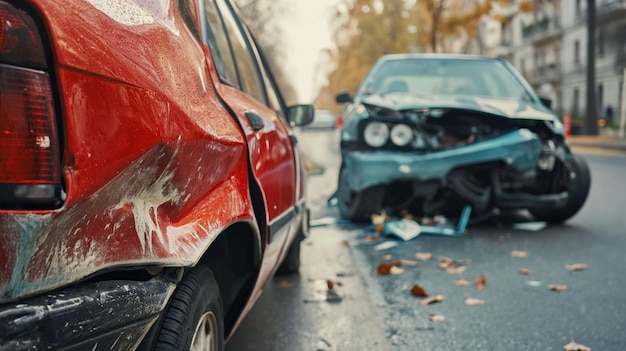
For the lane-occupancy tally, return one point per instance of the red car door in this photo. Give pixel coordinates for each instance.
(245, 88)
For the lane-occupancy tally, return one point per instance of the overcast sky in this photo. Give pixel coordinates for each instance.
(307, 32)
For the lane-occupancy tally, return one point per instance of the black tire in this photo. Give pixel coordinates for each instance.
(358, 206)
(196, 300)
(578, 190)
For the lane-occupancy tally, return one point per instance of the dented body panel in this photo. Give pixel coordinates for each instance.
(519, 150)
(140, 159)
(431, 133)
(157, 164)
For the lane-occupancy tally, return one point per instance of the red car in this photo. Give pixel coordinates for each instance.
(150, 184)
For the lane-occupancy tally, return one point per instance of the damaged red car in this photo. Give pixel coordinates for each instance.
(150, 184)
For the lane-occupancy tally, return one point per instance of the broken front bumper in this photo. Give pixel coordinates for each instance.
(519, 150)
(111, 315)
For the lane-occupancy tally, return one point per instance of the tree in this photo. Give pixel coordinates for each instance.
(260, 16)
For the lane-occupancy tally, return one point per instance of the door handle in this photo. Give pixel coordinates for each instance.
(256, 122)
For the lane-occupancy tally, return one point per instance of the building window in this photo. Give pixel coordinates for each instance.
(576, 51)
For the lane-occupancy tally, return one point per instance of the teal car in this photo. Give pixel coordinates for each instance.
(433, 133)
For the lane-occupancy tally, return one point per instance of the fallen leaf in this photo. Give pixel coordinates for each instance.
(383, 269)
(557, 287)
(330, 284)
(386, 257)
(345, 243)
(396, 263)
(525, 271)
(576, 267)
(462, 282)
(572, 346)
(409, 263)
(480, 282)
(445, 263)
(419, 291)
(520, 254)
(371, 238)
(379, 218)
(436, 318)
(456, 270)
(424, 256)
(473, 302)
(380, 228)
(285, 284)
(395, 270)
(431, 300)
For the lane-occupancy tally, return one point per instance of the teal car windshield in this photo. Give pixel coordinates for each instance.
(426, 76)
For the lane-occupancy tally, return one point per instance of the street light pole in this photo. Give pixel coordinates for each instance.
(622, 119)
(591, 124)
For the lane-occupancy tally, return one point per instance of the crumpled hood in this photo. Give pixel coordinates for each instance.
(505, 107)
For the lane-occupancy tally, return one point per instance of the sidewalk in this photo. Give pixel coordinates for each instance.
(608, 140)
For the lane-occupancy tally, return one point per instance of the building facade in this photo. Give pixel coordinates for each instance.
(549, 47)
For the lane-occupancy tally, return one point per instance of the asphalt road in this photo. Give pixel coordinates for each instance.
(519, 312)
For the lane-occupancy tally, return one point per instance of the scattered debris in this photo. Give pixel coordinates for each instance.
(408, 228)
(518, 253)
(371, 238)
(572, 346)
(379, 218)
(384, 269)
(333, 296)
(285, 284)
(409, 263)
(530, 226)
(432, 300)
(448, 265)
(418, 291)
(386, 257)
(404, 229)
(436, 318)
(462, 282)
(324, 290)
(534, 283)
(577, 267)
(456, 270)
(445, 263)
(322, 222)
(395, 270)
(386, 245)
(424, 256)
(557, 287)
(525, 271)
(480, 282)
(345, 243)
(436, 220)
(473, 302)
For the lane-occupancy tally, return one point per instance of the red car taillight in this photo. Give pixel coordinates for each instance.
(29, 151)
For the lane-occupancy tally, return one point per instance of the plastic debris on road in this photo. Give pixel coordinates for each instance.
(407, 229)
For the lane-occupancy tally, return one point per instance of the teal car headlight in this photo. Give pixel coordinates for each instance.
(401, 135)
(376, 134)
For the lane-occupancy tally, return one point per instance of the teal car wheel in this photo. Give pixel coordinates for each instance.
(358, 205)
(578, 189)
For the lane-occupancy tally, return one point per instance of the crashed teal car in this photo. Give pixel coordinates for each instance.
(431, 133)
